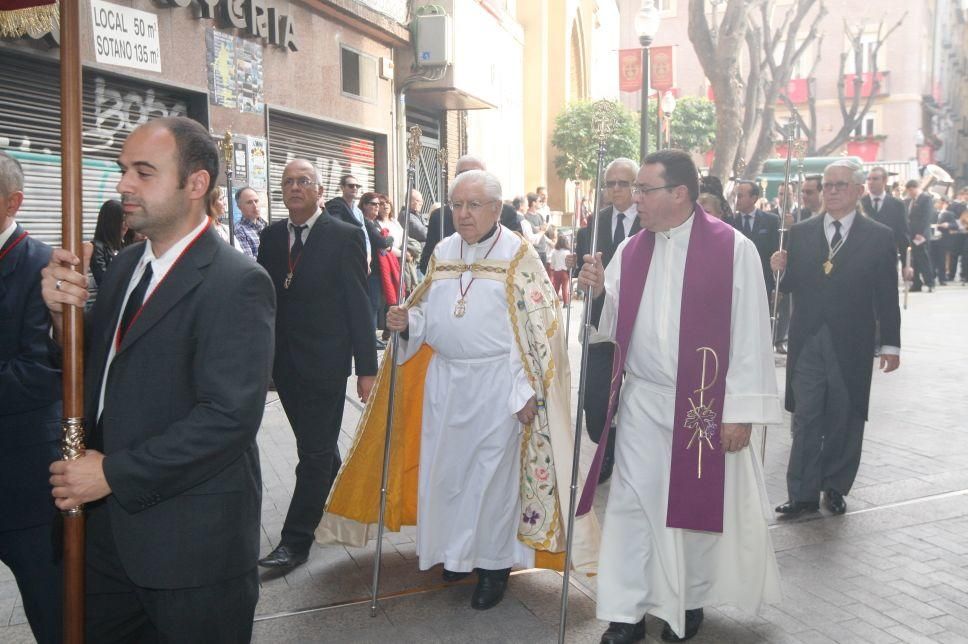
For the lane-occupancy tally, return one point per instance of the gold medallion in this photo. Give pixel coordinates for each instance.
(287, 281)
(460, 308)
(828, 267)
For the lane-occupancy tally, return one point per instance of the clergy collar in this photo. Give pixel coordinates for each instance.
(680, 229)
(486, 236)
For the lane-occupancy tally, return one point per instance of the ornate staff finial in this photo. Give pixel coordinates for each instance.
(227, 149)
(441, 157)
(604, 119)
(413, 144)
(800, 149)
(739, 166)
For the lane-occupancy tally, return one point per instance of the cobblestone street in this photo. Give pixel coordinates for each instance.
(893, 569)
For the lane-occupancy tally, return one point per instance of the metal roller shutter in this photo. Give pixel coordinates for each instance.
(332, 151)
(30, 132)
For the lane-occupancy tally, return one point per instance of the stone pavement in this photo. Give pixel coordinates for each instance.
(893, 569)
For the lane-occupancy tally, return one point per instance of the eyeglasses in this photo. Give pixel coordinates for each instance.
(352, 186)
(639, 189)
(473, 206)
(302, 182)
(372, 203)
(621, 183)
(830, 186)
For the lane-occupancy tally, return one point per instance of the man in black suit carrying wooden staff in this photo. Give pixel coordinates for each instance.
(841, 268)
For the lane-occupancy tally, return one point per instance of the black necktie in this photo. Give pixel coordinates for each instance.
(297, 245)
(748, 224)
(837, 237)
(877, 204)
(135, 300)
(619, 235)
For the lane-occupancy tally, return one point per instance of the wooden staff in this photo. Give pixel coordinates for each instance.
(413, 150)
(72, 438)
(604, 121)
(904, 272)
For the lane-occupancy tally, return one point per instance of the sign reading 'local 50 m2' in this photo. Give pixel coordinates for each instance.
(125, 36)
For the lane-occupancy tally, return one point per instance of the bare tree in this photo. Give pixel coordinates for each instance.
(718, 54)
(852, 113)
(746, 103)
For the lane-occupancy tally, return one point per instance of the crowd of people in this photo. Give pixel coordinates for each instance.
(186, 331)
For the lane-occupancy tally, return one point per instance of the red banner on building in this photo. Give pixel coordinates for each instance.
(662, 68)
(630, 70)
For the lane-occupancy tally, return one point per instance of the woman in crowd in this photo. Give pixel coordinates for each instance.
(560, 275)
(108, 238)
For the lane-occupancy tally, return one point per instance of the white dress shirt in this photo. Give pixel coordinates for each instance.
(629, 213)
(309, 226)
(8, 233)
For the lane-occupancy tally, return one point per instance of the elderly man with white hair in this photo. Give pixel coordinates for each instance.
(841, 268)
(483, 358)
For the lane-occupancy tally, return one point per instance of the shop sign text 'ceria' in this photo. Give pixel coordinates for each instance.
(254, 17)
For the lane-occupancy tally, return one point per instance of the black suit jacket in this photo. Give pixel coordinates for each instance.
(509, 219)
(30, 388)
(183, 402)
(765, 236)
(861, 290)
(605, 245)
(891, 214)
(324, 322)
(920, 215)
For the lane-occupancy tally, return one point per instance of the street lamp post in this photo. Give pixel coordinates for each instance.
(646, 25)
(668, 107)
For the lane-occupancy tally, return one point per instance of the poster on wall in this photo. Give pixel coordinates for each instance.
(234, 72)
(258, 164)
(248, 76)
(221, 68)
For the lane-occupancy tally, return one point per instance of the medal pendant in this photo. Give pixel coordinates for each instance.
(828, 267)
(287, 281)
(460, 308)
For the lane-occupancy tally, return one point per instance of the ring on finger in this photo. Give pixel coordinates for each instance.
(57, 284)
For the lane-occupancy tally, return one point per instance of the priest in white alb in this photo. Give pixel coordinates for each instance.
(686, 521)
(480, 454)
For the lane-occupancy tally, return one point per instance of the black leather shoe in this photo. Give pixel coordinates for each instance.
(491, 585)
(450, 575)
(608, 463)
(622, 633)
(283, 557)
(834, 501)
(693, 622)
(796, 508)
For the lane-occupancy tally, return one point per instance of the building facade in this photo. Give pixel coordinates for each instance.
(287, 79)
(909, 80)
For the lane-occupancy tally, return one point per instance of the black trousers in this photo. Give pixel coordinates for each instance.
(597, 382)
(923, 269)
(33, 555)
(316, 415)
(120, 611)
(828, 435)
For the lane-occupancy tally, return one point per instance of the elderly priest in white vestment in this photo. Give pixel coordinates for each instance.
(482, 442)
(686, 520)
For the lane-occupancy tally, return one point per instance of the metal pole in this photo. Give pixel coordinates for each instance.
(413, 149)
(644, 114)
(571, 251)
(228, 152)
(784, 210)
(441, 184)
(604, 119)
(72, 439)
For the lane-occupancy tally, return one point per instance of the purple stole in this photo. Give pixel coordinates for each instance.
(698, 468)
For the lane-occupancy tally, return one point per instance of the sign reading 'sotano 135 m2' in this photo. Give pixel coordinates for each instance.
(125, 36)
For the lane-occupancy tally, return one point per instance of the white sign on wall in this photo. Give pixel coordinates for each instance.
(125, 36)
